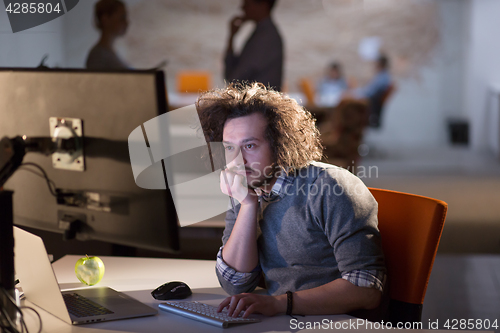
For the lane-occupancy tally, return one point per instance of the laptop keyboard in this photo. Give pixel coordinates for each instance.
(204, 313)
(80, 306)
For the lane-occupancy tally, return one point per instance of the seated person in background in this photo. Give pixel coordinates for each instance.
(331, 87)
(111, 20)
(379, 83)
(375, 90)
(310, 228)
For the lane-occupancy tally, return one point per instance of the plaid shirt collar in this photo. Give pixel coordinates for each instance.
(277, 189)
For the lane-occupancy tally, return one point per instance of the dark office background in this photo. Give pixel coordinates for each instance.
(447, 69)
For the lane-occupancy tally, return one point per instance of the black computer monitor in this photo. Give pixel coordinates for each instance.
(100, 200)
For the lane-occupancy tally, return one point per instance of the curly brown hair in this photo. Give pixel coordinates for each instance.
(291, 130)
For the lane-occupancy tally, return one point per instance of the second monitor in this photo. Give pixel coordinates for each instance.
(100, 193)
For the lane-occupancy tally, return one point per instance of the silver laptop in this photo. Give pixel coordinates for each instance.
(40, 287)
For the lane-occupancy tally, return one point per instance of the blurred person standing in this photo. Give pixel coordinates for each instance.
(261, 59)
(111, 19)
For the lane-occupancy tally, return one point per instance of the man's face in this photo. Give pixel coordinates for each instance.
(117, 22)
(252, 9)
(247, 134)
(334, 74)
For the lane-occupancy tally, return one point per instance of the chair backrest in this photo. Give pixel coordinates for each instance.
(410, 228)
(378, 104)
(346, 125)
(193, 81)
(307, 89)
(388, 93)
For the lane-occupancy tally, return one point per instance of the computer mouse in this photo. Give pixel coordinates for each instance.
(172, 290)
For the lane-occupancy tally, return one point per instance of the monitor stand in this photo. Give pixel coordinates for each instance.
(123, 250)
(7, 253)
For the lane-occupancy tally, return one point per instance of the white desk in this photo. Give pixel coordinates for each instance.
(138, 276)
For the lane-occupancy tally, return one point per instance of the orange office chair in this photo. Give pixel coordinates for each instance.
(410, 227)
(193, 81)
(307, 88)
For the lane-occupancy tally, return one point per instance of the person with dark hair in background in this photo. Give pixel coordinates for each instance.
(332, 86)
(376, 89)
(261, 59)
(111, 20)
(309, 228)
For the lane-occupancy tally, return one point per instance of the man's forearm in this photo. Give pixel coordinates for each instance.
(240, 251)
(336, 297)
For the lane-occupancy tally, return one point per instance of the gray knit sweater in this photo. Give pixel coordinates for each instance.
(323, 225)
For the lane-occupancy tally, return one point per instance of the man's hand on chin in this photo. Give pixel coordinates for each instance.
(236, 24)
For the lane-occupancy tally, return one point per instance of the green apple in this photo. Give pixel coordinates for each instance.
(89, 270)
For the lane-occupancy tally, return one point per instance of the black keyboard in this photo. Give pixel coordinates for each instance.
(80, 306)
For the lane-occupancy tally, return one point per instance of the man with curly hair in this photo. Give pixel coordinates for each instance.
(309, 228)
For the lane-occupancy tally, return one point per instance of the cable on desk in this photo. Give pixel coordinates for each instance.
(37, 314)
(6, 323)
